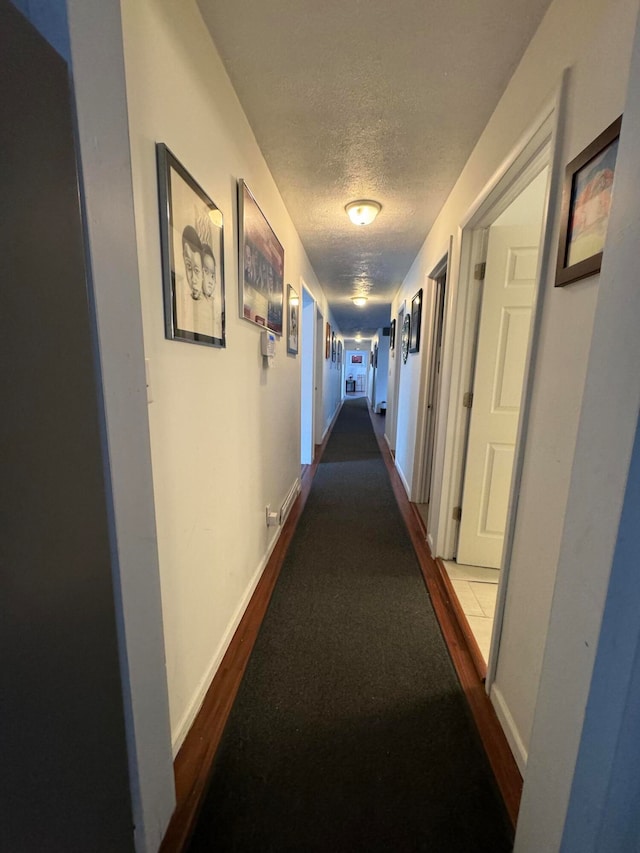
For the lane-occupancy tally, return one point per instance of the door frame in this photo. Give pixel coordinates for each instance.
(318, 378)
(307, 353)
(537, 149)
(425, 463)
(392, 409)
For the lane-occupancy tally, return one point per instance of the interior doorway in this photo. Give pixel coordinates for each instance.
(394, 401)
(434, 321)
(508, 293)
(508, 280)
(307, 374)
(318, 407)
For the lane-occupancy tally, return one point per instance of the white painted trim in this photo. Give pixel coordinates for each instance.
(516, 170)
(545, 262)
(510, 729)
(185, 723)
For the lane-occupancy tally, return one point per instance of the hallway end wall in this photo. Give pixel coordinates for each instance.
(225, 429)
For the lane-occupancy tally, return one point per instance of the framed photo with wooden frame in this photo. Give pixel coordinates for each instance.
(293, 320)
(416, 319)
(261, 265)
(586, 204)
(192, 245)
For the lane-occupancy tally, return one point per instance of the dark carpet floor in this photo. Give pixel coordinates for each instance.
(350, 731)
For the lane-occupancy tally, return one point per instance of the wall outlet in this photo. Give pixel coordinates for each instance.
(273, 518)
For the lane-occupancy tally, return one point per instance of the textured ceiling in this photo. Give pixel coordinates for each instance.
(380, 99)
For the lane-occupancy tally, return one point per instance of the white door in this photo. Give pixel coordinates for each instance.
(503, 338)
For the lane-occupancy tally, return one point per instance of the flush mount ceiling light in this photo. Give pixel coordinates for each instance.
(363, 212)
(359, 300)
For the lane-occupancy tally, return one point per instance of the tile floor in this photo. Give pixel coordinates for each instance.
(476, 589)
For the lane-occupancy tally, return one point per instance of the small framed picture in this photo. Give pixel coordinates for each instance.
(356, 359)
(333, 346)
(339, 353)
(586, 203)
(261, 265)
(416, 315)
(392, 335)
(327, 341)
(191, 234)
(406, 333)
(293, 320)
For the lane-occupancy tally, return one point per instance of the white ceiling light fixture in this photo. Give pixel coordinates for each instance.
(359, 300)
(363, 212)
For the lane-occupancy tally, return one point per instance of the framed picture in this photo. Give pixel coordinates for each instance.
(392, 335)
(261, 265)
(327, 341)
(333, 346)
(375, 355)
(586, 203)
(191, 236)
(356, 359)
(416, 315)
(406, 331)
(339, 353)
(371, 358)
(293, 320)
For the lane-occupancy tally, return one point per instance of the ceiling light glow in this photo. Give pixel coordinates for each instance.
(359, 300)
(363, 212)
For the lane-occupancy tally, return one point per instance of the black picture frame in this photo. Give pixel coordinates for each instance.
(192, 249)
(406, 333)
(586, 203)
(392, 335)
(293, 321)
(261, 265)
(333, 346)
(416, 319)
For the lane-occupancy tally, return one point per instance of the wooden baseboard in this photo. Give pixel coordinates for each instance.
(505, 769)
(193, 763)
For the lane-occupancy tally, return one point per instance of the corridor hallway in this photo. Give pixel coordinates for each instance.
(350, 731)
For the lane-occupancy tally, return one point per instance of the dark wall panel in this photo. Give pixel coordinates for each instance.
(63, 762)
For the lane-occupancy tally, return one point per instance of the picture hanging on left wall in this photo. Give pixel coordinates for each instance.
(191, 234)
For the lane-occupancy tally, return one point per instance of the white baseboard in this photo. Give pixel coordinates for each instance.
(186, 721)
(509, 727)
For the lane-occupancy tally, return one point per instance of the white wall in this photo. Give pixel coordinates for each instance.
(356, 369)
(381, 370)
(331, 384)
(598, 558)
(225, 431)
(597, 52)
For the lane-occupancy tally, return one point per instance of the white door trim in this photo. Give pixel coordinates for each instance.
(537, 148)
(428, 324)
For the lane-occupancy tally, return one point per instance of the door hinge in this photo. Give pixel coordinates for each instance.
(456, 515)
(480, 271)
(467, 400)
